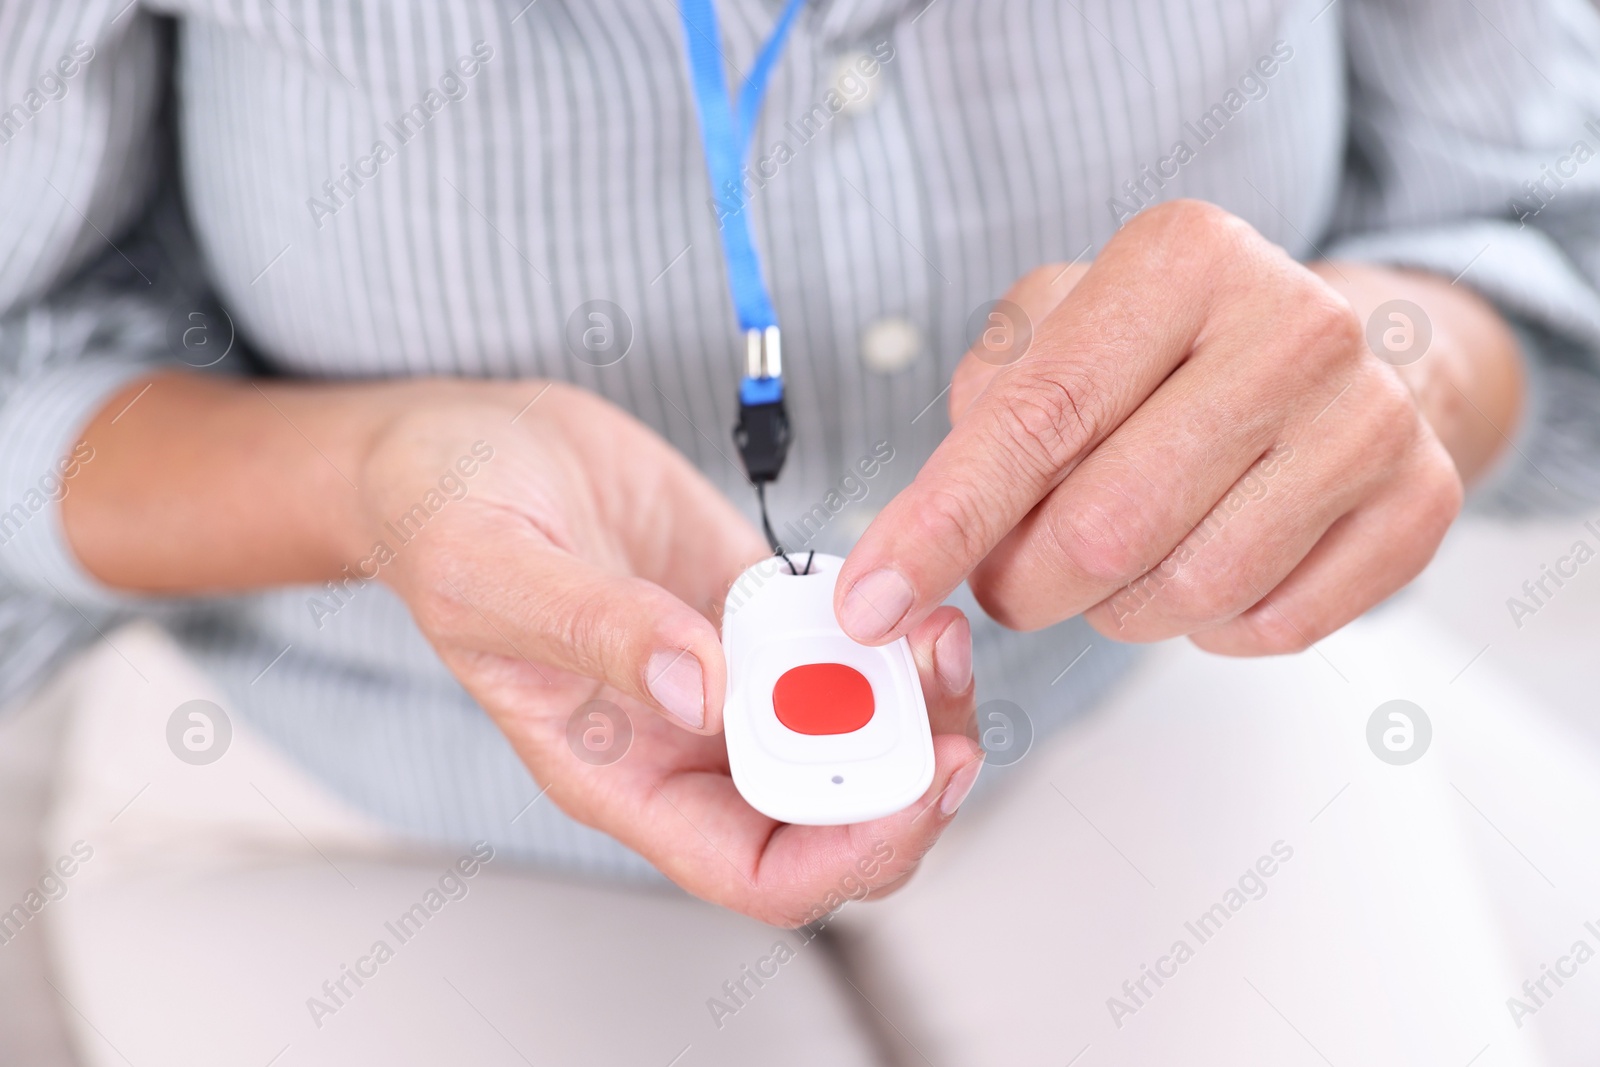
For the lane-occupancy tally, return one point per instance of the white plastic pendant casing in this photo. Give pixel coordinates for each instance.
(774, 622)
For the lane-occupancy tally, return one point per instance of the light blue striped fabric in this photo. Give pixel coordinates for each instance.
(557, 162)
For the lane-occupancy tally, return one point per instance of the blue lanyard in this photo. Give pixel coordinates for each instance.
(725, 132)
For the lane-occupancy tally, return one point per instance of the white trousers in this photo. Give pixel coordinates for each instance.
(1215, 868)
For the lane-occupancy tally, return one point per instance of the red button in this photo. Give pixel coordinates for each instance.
(823, 698)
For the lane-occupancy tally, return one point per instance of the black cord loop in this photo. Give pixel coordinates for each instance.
(772, 538)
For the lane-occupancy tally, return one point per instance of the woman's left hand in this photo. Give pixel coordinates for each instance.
(1198, 440)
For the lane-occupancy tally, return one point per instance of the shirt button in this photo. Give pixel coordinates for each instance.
(890, 345)
(856, 88)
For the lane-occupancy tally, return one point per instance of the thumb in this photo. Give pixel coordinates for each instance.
(1007, 330)
(627, 632)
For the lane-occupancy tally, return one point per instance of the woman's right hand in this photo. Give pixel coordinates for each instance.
(581, 559)
(585, 561)
(583, 550)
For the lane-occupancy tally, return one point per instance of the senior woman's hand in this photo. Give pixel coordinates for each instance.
(563, 553)
(1198, 440)
(587, 564)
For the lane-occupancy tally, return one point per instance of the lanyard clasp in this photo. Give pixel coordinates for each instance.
(762, 433)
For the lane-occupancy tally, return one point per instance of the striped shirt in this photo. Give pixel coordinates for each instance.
(375, 189)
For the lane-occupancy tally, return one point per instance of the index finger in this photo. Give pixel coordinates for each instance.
(1134, 317)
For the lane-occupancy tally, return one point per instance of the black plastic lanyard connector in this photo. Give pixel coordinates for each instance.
(762, 436)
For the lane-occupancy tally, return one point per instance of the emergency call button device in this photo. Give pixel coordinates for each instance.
(821, 730)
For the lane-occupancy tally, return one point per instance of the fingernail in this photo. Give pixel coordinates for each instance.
(674, 679)
(961, 784)
(952, 656)
(875, 604)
